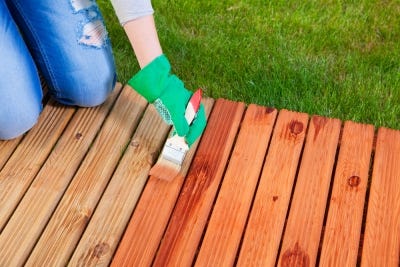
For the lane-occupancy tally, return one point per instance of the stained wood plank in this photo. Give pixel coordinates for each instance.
(35, 209)
(266, 222)
(304, 225)
(75, 209)
(189, 217)
(343, 226)
(98, 244)
(27, 159)
(228, 219)
(150, 218)
(382, 233)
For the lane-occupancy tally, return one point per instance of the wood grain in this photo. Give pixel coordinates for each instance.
(267, 218)
(343, 226)
(101, 238)
(229, 216)
(7, 148)
(303, 229)
(150, 218)
(189, 217)
(382, 232)
(38, 204)
(26, 161)
(75, 209)
(75, 190)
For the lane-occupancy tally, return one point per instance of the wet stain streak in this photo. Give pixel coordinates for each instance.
(319, 123)
(295, 257)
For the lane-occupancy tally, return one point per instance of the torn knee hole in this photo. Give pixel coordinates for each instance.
(79, 5)
(93, 34)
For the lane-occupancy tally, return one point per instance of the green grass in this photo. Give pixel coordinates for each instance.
(332, 58)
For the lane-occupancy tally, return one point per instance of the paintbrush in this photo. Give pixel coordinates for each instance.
(170, 161)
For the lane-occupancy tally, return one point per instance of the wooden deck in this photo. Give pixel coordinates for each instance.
(264, 188)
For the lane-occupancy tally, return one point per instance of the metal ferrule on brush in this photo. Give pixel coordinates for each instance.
(175, 149)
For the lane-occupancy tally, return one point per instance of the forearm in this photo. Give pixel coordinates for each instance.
(143, 37)
(136, 16)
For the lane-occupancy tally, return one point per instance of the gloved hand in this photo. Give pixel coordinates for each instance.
(168, 94)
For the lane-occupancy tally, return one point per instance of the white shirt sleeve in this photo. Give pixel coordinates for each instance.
(127, 10)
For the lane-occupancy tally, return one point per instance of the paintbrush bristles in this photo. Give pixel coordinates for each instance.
(165, 169)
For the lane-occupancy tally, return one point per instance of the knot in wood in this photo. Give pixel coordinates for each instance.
(78, 136)
(354, 181)
(101, 249)
(135, 143)
(296, 127)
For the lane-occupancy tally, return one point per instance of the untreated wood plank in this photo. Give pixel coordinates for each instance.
(7, 148)
(382, 232)
(29, 156)
(229, 216)
(75, 209)
(150, 218)
(35, 209)
(303, 229)
(189, 217)
(267, 218)
(98, 243)
(343, 226)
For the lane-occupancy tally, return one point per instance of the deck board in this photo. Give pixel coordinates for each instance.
(382, 232)
(27, 159)
(303, 229)
(343, 227)
(101, 237)
(263, 234)
(40, 201)
(229, 216)
(6, 150)
(151, 215)
(183, 234)
(262, 187)
(75, 209)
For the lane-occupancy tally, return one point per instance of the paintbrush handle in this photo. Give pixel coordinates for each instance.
(193, 106)
(190, 113)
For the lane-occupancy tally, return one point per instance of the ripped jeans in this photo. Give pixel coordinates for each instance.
(63, 40)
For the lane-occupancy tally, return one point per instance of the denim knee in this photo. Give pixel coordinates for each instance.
(87, 88)
(73, 51)
(20, 89)
(19, 119)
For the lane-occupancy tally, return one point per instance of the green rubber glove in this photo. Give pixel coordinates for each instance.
(168, 94)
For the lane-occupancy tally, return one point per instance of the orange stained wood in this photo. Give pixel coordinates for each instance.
(263, 187)
(184, 231)
(267, 218)
(228, 220)
(382, 232)
(346, 205)
(151, 215)
(303, 229)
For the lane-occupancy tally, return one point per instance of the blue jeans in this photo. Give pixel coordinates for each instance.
(64, 40)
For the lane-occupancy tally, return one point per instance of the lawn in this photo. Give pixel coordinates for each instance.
(332, 58)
